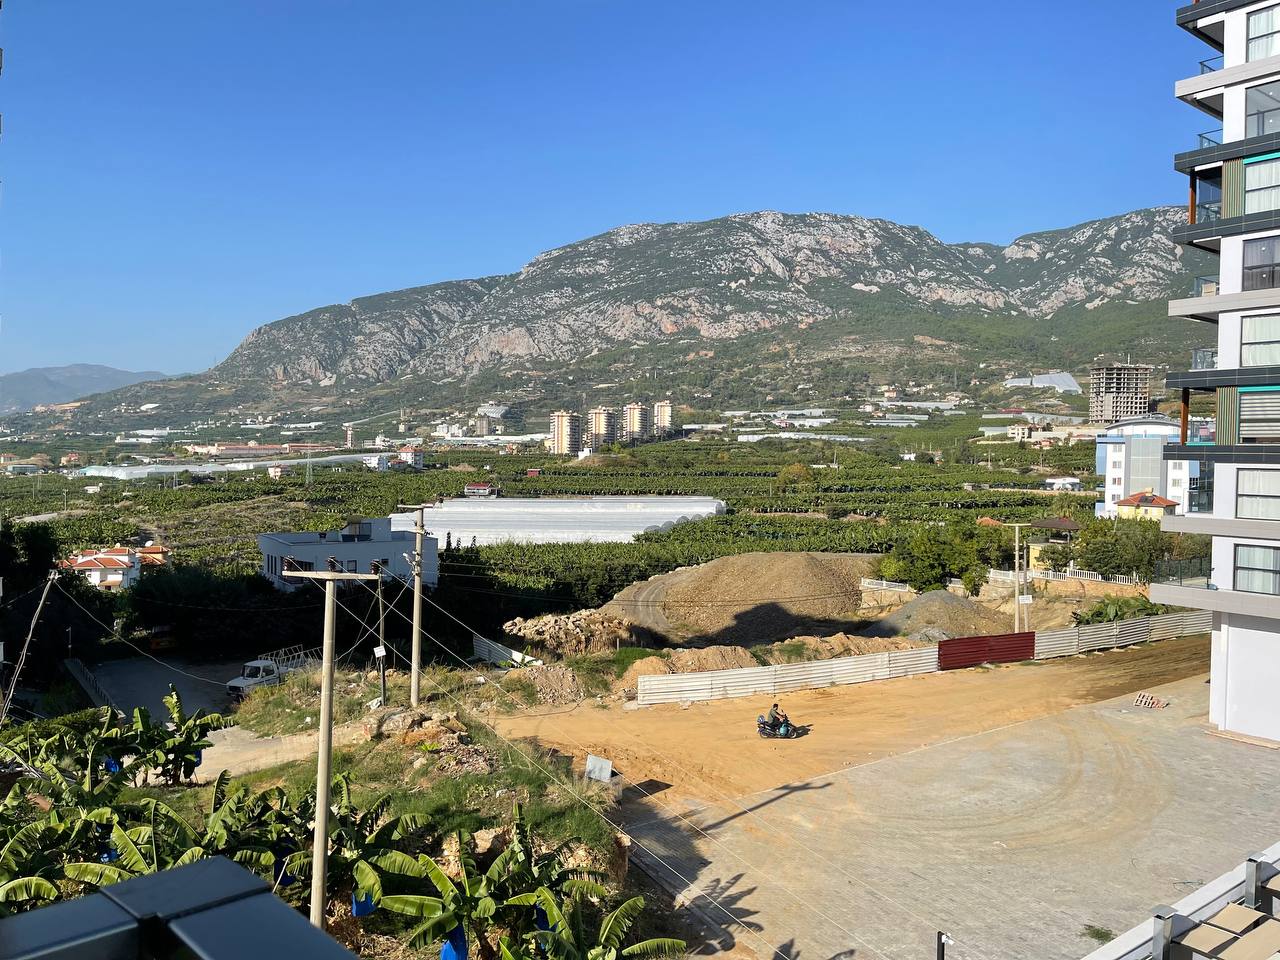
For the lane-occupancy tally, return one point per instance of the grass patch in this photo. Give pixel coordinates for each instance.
(1097, 934)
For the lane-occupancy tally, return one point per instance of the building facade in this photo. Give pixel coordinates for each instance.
(1234, 215)
(1130, 459)
(1118, 391)
(566, 434)
(662, 420)
(636, 421)
(356, 547)
(602, 426)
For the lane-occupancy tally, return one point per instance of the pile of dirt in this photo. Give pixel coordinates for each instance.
(938, 615)
(441, 736)
(839, 645)
(552, 684)
(761, 597)
(574, 634)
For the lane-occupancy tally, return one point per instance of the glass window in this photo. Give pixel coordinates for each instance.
(1261, 260)
(1262, 109)
(1262, 186)
(1258, 569)
(1208, 196)
(1258, 495)
(1264, 33)
(1260, 341)
(351, 566)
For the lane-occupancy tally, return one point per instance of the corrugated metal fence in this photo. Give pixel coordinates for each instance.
(951, 654)
(1122, 633)
(751, 681)
(492, 652)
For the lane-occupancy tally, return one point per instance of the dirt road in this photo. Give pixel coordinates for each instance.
(711, 749)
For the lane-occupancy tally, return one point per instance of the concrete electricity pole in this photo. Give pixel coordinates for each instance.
(320, 842)
(416, 648)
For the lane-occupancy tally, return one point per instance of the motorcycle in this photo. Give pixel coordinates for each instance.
(785, 731)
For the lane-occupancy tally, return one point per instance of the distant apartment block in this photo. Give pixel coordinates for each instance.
(1234, 215)
(662, 418)
(637, 421)
(566, 434)
(602, 426)
(1118, 391)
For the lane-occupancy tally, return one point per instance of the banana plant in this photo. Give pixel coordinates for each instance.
(569, 939)
(525, 869)
(467, 904)
(163, 841)
(179, 753)
(364, 845)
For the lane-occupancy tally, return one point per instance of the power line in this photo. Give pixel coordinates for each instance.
(646, 793)
(689, 884)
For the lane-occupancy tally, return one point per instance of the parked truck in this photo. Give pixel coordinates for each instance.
(268, 670)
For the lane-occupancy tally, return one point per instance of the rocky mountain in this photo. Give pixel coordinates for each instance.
(715, 280)
(28, 388)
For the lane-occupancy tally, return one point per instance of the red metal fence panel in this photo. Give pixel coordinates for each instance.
(960, 652)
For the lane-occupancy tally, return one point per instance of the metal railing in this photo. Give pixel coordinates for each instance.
(869, 584)
(1209, 212)
(1084, 575)
(1211, 138)
(1212, 65)
(1197, 572)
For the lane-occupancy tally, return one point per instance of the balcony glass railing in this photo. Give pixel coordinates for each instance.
(1205, 287)
(1209, 212)
(1204, 358)
(1186, 573)
(1200, 499)
(1211, 138)
(1212, 65)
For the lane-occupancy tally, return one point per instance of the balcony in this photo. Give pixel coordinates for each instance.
(1212, 65)
(1204, 287)
(1190, 583)
(1204, 358)
(1210, 138)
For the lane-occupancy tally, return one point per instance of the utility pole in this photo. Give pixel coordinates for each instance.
(320, 842)
(416, 640)
(22, 657)
(382, 637)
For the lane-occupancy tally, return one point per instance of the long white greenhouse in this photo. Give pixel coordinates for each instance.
(557, 520)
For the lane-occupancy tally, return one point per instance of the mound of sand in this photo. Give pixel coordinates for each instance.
(759, 597)
(697, 660)
(939, 614)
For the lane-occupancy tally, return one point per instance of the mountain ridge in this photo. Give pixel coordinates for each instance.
(24, 389)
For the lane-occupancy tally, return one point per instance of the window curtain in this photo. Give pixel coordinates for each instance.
(1263, 27)
(1262, 186)
(1260, 341)
(1258, 569)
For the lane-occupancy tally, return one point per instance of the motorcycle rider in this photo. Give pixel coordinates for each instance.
(777, 717)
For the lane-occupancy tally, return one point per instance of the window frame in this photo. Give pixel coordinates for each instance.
(1236, 567)
(1257, 343)
(1260, 130)
(1250, 167)
(1253, 496)
(1271, 269)
(1250, 37)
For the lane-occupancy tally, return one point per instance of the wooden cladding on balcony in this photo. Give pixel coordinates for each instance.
(1233, 188)
(1228, 415)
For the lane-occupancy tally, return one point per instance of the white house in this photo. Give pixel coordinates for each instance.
(115, 568)
(356, 547)
(376, 461)
(1071, 484)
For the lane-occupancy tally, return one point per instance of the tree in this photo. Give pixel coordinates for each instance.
(795, 475)
(931, 555)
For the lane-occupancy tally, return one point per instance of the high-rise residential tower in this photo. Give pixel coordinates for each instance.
(566, 433)
(1119, 391)
(602, 426)
(635, 421)
(1234, 214)
(662, 418)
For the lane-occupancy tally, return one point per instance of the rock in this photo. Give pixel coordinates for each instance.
(574, 634)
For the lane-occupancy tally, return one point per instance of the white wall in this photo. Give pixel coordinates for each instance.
(363, 552)
(1218, 676)
(1250, 677)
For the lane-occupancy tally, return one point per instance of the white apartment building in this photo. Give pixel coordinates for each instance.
(662, 418)
(602, 426)
(1118, 391)
(1234, 214)
(356, 547)
(636, 421)
(1130, 459)
(566, 434)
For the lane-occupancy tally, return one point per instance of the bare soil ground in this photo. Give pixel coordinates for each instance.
(711, 749)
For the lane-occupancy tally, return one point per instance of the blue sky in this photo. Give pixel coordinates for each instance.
(176, 174)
